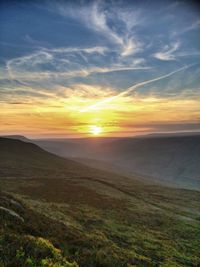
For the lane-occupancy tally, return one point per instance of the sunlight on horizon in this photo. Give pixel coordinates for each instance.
(96, 130)
(110, 67)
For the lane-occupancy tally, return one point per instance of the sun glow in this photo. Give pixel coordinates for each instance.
(95, 130)
(97, 115)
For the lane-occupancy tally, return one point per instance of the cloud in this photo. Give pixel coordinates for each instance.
(166, 126)
(112, 23)
(89, 50)
(130, 47)
(45, 55)
(86, 91)
(195, 25)
(130, 89)
(98, 18)
(66, 62)
(115, 24)
(168, 52)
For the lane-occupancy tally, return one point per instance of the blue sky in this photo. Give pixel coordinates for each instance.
(62, 49)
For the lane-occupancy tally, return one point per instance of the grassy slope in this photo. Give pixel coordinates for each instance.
(95, 218)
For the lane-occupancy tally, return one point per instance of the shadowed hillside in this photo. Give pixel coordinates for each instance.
(17, 137)
(95, 218)
(18, 158)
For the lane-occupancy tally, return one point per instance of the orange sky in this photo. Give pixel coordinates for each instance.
(99, 68)
(70, 116)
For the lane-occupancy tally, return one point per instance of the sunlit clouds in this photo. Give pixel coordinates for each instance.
(98, 69)
(133, 113)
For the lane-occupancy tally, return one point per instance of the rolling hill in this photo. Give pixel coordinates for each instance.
(29, 160)
(57, 212)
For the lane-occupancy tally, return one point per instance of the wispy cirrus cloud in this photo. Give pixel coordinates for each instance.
(168, 52)
(66, 62)
(80, 53)
(195, 25)
(97, 18)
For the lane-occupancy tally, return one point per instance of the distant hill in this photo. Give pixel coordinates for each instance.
(173, 134)
(170, 159)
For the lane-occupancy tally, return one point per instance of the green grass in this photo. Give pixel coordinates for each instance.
(27, 250)
(92, 218)
(129, 233)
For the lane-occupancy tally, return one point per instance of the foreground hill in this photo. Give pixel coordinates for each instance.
(55, 212)
(170, 159)
(27, 160)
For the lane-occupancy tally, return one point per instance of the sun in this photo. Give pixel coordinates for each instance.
(96, 130)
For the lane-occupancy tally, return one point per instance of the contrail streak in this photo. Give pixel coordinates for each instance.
(132, 88)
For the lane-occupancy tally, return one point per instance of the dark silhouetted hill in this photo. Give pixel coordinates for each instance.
(17, 137)
(25, 159)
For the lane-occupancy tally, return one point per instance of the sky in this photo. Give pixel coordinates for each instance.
(106, 68)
